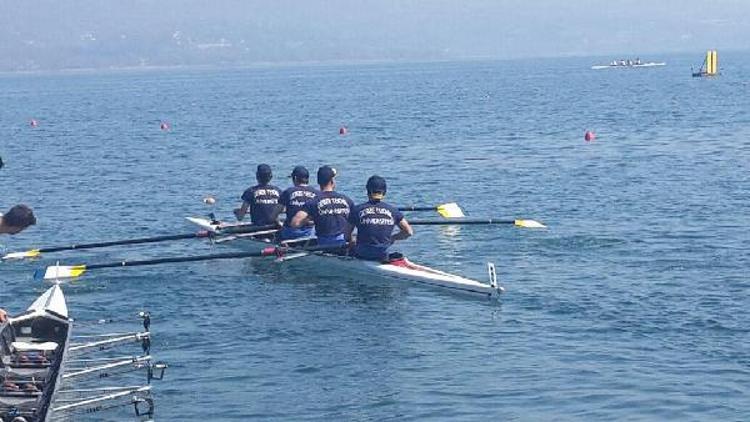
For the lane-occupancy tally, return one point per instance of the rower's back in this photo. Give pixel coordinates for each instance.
(374, 221)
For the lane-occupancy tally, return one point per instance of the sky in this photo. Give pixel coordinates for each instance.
(53, 34)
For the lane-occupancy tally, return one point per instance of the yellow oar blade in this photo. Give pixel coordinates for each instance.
(450, 210)
(57, 272)
(529, 224)
(22, 255)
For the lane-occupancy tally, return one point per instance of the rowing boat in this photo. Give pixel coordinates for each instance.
(33, 347)
(399, 269)
(627, 66)
(40, 361)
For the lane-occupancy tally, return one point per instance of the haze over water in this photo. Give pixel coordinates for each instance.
(632, 305)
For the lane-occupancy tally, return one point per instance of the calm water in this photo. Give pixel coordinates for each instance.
(632, 306)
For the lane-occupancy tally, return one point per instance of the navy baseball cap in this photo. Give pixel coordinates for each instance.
(263, 170)
(376, 185)
(300, 172)
(326, 174)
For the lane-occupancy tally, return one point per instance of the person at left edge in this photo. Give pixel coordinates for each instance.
(261, 200)
(17, 219)
(329, 211)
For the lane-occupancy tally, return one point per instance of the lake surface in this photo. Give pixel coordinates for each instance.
(633, 305)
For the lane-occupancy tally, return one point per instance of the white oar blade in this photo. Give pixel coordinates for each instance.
(57, 272)
(451, 210)
(22, 255)
(529, 224)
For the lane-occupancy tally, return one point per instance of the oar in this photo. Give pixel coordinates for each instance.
(36, 252)
(56, 272)
(449, 210)
(532, 224)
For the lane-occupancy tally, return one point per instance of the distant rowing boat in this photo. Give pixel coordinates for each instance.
(616, 66)
(399, 270)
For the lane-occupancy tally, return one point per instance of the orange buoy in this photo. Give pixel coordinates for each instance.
(33, 123)
(343, 130)
(589, 136)
(164, 126)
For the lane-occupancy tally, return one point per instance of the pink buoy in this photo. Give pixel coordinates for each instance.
(164, 126)
(33, 123)
(589, 136)
(343, 130)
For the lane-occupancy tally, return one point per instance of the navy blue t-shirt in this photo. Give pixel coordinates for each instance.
(330, 212)
(374, 221)
(264, 203)
(295, 198)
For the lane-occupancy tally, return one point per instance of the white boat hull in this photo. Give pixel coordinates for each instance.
(401, 271)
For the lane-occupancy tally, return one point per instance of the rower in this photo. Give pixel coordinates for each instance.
(374, 221)
(294, 199)
(329, 210)
(17, 219)
(261, 200)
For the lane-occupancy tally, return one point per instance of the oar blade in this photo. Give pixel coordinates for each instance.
(57, 272)
(529, 224)
(22, 255)
(450, 210)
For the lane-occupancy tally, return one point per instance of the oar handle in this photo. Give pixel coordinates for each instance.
(154, 239)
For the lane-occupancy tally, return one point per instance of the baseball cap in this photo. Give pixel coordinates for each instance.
(326, 174)
(300, 172)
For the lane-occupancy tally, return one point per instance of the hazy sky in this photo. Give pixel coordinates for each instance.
(96, 33)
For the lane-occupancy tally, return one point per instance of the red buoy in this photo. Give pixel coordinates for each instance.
(589, 136)
(164, 126)
(343, 130)
(33, 123)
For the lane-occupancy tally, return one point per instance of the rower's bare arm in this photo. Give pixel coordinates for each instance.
(299, 219)
(242, 210)
(405, 230)
(348, 234)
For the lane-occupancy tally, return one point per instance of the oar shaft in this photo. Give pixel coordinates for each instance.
(269, 251)
(460, 221)
(245, 229)
(154, 239)
(138, 263)
(413, 208)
